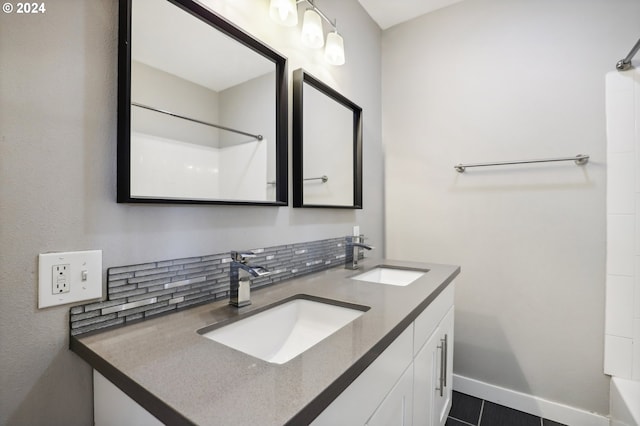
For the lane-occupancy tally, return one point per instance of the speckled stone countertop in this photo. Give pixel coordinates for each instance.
(183, 378)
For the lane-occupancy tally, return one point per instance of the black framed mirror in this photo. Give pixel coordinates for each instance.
(327, 146)
(202, 109)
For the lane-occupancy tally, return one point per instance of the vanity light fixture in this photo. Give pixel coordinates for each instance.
(285, 13)
(312, 35)
(334, 52)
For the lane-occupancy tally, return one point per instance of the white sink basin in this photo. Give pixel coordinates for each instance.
(284, 331)
(391, 275)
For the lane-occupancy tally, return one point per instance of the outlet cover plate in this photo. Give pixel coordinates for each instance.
(84, 277)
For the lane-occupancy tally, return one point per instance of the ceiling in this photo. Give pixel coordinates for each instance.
(167, 38)
(388, 13)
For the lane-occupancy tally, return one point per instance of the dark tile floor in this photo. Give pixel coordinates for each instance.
(467, 410)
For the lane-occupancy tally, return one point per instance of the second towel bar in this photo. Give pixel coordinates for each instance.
(323, 178)
(578, 159)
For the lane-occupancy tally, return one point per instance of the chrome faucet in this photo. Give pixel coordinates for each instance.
(352, 250)
(240, 274)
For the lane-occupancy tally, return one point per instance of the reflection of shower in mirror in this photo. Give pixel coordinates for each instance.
(193, 127)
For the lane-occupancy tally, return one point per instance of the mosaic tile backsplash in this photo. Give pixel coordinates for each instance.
(140, 291)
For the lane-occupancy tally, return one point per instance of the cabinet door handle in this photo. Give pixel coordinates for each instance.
(441, 379)
(445, 358)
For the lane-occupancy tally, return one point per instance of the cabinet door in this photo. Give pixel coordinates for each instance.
(433, 367)
(112, 407)
(444, 385)
(358, 401)
(426, 369)
(396, 408)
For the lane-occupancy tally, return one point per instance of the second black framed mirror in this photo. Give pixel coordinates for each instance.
(327, 146)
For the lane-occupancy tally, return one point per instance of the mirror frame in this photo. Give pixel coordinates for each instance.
(124, 105)
(300, 78)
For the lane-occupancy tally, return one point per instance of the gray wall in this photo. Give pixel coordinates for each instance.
(492, 80)
(58, 174)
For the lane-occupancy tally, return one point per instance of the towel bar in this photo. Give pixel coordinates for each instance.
(578, 159)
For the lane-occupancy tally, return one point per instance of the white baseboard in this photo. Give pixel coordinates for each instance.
(528, 403)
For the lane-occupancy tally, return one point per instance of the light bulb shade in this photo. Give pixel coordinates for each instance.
(284, 12)
(312, 35)
(334, 52)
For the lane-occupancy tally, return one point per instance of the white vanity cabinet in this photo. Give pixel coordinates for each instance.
(402, 386)
(409, 383)
(433, 374)
(443, 399)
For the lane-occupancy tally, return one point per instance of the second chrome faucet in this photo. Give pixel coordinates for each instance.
(352, 251)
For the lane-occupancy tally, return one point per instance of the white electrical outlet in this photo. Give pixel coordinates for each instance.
(68, 277)
(60, 279)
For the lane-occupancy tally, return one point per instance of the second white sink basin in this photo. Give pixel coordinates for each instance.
(284, 331)
(391, 275)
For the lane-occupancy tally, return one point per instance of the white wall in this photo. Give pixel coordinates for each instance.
(58, 173)
(247, 177)
(622, 325)
(492, 80)
(169, 168)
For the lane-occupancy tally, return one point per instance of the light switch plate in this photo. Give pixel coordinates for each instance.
(81, 280)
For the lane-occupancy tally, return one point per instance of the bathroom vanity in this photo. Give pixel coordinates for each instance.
(391, 364)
